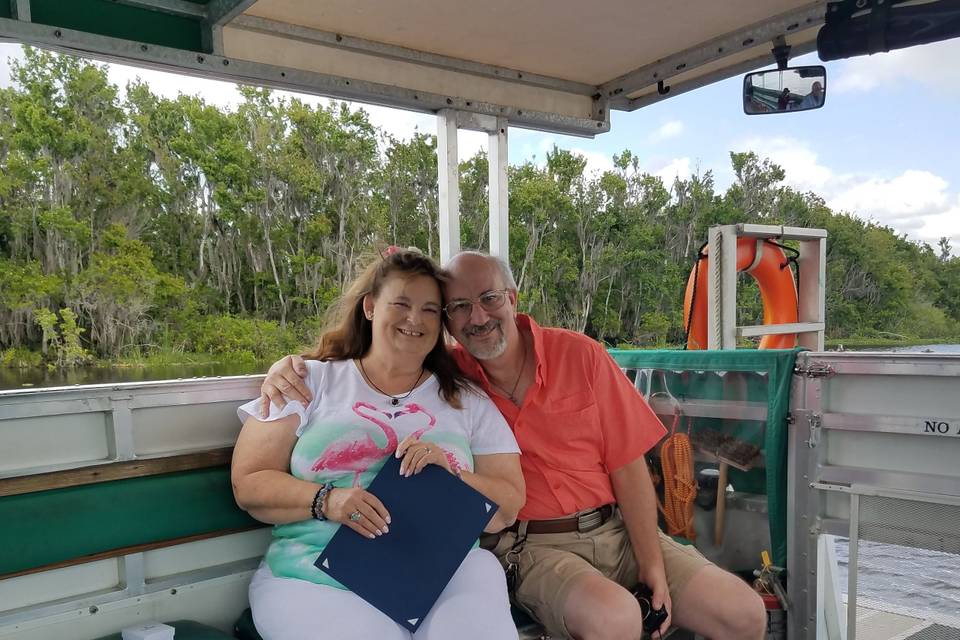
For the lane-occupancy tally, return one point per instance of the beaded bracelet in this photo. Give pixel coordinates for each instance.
(316, 509)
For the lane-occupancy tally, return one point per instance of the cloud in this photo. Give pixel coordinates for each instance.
(796, 158)
(927, 65)
(597, 162)
(916, 202)
(668, 130)
(398, 123)
(676, 168)
(899, 200)
(8, 52)
(943, 225)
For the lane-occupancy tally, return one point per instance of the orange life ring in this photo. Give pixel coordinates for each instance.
(777, 289)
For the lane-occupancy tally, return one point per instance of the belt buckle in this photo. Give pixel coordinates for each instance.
(589, 521)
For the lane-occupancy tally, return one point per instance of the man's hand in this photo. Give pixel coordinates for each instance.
(660, 598)
(284, 382)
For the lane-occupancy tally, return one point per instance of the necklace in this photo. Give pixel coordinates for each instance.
(394, 400)
(516, 383)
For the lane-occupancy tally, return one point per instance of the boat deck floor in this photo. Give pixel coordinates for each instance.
(876, 622)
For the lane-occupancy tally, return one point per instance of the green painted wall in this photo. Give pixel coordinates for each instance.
(107, 18)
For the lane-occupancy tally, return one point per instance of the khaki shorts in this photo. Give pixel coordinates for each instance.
(549, 562)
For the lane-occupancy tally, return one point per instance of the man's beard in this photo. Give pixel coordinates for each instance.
(485, 352)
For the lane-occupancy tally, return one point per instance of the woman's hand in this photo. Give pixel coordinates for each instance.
(417, 455)
(358, 509)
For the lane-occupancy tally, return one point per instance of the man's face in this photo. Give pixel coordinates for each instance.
(485, 333)
(817, 89)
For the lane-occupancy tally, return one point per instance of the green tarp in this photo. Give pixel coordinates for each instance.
(748, 378)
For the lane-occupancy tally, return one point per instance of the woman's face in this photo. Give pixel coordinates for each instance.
(405, 315)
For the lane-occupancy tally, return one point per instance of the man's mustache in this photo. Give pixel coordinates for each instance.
(475, 329)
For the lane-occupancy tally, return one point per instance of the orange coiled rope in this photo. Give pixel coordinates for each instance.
(679, 484)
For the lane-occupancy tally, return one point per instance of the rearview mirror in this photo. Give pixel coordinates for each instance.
(781, 90)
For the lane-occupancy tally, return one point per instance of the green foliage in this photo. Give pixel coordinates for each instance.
(20, 358)
(159, 228)
(244, 338)
(61, 338)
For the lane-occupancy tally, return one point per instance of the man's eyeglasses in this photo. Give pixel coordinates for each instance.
(488, 301)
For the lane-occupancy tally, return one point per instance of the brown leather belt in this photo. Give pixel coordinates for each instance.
(586, 521)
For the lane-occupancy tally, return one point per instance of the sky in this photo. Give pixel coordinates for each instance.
(885, 147)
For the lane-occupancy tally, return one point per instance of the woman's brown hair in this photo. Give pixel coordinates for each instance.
(348, 334)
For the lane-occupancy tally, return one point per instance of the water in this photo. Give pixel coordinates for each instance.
(925, 348)
(38, 377)
(917, 582)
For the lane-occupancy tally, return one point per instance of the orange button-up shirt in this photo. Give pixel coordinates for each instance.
(580, 420)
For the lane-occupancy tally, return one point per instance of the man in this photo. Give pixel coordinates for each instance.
(813, 99)
(583, 430)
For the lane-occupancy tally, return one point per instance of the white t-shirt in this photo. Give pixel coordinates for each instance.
(346, 434)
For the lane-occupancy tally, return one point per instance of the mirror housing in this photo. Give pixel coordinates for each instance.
(784, 90)
(857, 28)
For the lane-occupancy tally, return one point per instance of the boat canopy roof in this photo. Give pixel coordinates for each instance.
(554, 65)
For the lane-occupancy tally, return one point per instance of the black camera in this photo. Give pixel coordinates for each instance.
(652, 618)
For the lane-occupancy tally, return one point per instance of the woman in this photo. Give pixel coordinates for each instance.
(382, 384)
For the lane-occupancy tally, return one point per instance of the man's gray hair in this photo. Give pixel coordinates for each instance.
(505, 271)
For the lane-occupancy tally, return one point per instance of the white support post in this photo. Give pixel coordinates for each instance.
(830, 620)
(499, 194)
(722, 296)
(728, 287)
(133, 573)
(812, 304)
(121, 424)
(714, 262)
(448, 175)
(21, 10)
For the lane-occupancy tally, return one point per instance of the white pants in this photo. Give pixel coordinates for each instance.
(473, 606)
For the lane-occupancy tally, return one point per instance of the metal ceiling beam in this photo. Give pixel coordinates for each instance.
(716, 49)
(220, 12)
(702, 81)
(245, 72)
(421, 58)
(173, 7)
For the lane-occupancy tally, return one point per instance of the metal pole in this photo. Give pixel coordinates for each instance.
(852, 562)
(448, 175)
(499, 193)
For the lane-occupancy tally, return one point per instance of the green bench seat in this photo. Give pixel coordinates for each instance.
(71, 524)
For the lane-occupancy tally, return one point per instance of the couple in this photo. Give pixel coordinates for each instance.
(583, 430)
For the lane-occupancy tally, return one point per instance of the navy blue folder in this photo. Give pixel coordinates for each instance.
(435, 520)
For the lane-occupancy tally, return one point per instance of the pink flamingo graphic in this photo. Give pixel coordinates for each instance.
(359, 455)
